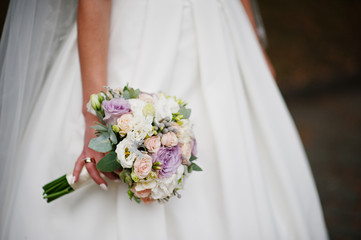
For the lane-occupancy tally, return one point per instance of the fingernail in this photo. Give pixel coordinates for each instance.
(73, 180)
(116, 180)
(104, 187)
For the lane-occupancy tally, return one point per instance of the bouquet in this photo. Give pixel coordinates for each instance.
(148, 136)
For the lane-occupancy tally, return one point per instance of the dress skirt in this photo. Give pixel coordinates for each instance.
(256, 182)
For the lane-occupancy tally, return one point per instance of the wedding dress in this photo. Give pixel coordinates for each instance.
(256, 182)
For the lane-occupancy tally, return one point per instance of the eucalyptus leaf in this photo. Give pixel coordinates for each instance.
(112, 135)
(186, 112)
(132, 93)
(106, 96)
(101, 144)
(100, 116)
(108, 163)
(192, 158)
(99, 128)
(195, 167)
(126, 94)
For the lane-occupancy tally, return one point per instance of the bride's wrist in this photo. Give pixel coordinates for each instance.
(89, 118)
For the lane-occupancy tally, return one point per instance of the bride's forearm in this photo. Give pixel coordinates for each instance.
(93, 21)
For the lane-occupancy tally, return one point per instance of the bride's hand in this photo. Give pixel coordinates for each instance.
(93, 19)
(87, 152)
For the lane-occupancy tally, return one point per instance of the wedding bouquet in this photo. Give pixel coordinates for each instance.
(148, 136)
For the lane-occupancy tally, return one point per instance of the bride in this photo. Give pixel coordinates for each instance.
(256, 182)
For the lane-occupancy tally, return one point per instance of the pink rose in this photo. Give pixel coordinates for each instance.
(143, 166)
(147, 200)
(186, 150)
(141, 194)
(146, 97)
(152, 144)
(169, 139)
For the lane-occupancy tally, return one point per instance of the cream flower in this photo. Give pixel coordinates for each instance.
(152, 144)
(169, 139)
(143, 166)
(186, 132)
(125, 123)
(176, 126)
(186, 150)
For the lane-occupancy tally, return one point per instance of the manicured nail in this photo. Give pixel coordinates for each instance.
(73, 179)
(117, 180)
(104, 187)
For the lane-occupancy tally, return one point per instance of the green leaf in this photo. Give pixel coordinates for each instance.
(189, 168)
(126, 87)
(100, 116)
(137, 199)
(195, 167)
(101, 144)
(112, 135)
(134, 93)
(192, 158)
(125, 175)
(106, 96)
(186, 112)
(130, 194)
(99, 128)
(126, 94)
(108, 163)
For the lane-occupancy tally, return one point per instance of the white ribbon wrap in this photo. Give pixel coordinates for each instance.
(84, 179)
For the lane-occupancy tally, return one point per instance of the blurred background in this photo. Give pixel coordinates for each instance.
(315, 49)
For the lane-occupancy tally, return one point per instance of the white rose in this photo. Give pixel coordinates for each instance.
(137, 106)
(186, 132)
(125, 155)
(164, 107)
(165, 186)
(141, 127)
(143, 185)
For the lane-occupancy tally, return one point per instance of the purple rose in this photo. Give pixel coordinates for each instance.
(114, 108)
(170, 158)
(194, 148)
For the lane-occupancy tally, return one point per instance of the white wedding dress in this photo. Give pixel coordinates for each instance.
(256, 182)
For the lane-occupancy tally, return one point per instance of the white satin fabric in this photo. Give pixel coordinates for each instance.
(256, 182)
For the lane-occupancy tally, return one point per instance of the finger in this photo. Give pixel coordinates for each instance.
(119, 170)
(111, 175)
(77, 169)
(95, 175)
